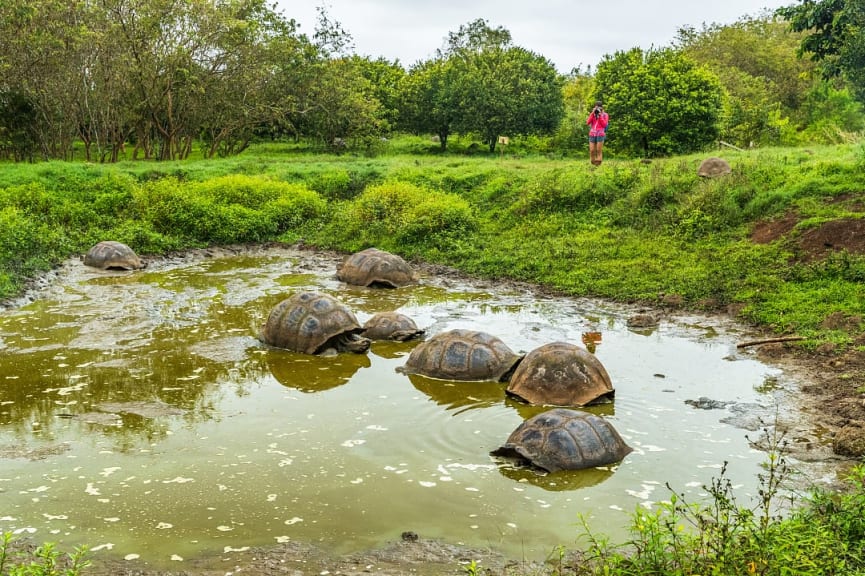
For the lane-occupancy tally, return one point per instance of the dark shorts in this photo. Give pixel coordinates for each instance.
(596, 139)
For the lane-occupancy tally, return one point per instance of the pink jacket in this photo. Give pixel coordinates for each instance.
(597, 125)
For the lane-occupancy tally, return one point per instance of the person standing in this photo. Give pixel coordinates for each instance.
(597, 122)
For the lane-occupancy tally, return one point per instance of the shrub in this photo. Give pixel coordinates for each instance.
(228, 209)
(27, 246)
(44, 560)
(402, 213)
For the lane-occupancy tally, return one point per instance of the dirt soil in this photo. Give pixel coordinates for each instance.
(833, 381)
(832, 393)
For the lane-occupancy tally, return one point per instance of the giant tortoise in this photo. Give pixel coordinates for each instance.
(313, 323)
(375, 268)
(564, 439)
(391, 326)
(713, 167)
(110, 254)
(462, 354)
(561, 374)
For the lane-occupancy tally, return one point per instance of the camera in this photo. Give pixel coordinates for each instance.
(597, 111)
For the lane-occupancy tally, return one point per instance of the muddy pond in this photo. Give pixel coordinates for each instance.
(139, 415)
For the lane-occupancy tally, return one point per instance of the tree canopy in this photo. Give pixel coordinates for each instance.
(834, 37)
(159, 79)
(660, 102)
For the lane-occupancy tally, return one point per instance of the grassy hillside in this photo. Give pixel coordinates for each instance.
(780, 240)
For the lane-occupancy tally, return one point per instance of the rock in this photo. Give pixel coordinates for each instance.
(704, 403)
(643, 321)
(849, 441)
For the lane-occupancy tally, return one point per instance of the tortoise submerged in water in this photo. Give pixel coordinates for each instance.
(391, 326)
(110, 254)
(462, 355)
(313, 323)
(561, 374)
(374, 267)
(563, 439)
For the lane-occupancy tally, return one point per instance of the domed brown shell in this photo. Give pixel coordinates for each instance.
(111, 254)
(374, 267)
(713, 167)
(563, 439)
(308, 322)
(391, 326)
(462, 355)
(561, 374)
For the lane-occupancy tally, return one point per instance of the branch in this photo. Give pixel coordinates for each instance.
(770, 341)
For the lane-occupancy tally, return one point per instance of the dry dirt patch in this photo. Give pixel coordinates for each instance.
(845, 234)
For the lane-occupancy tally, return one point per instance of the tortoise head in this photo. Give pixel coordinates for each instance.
(348, 342)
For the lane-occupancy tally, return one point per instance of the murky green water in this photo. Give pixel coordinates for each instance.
(140, 416)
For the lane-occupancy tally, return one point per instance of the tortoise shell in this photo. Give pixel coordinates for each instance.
(462, 355)
(564, 439)
(111, 254)
(391, 326)
(712, 167)
(309, 322)
(561, 374)
(374, 267)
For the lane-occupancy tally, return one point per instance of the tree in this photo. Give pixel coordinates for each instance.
(487, 85)
(340, 107)
(660, 102)
(427, 100)
(507, 91)
(764, 82)
(385, 78)
(475, 37)
(835, 37)
(577, 95)
(41, 50)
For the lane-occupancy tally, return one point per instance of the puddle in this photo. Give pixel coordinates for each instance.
(140, 416)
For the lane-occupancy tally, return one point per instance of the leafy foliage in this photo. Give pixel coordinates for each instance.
(835, 37)
(229, 209)
(481, 83)
(401, 214)
(727, 537)
(660, 102)
(44, 560)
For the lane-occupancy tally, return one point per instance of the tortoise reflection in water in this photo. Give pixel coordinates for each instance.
(377, 268)
(112, 255)
(564, 439)
(561, 374)
(313, 323)
(462, 355)
(391, 326)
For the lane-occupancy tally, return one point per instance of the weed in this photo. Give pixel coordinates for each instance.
(44, 560)
(725, 537)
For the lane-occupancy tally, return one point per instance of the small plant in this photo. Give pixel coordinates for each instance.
(472, 568)
(44, 560)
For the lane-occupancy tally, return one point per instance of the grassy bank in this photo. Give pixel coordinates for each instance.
(780, 242)
(628, 231)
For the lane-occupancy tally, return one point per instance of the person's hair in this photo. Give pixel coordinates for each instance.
(598, 103)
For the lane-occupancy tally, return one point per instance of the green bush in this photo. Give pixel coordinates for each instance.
(28, 246)
(227, 209)
(723, 537)
(333, 184)
(397, 213)
(44, 560)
